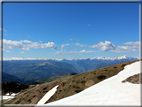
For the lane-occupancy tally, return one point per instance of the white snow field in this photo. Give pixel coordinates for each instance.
(108, 92)
(8, 96)
(47, 95)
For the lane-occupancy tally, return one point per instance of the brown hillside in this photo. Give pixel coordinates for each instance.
(67, 86)
(135, 79)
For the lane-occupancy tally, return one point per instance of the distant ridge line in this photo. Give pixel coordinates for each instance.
(60, 59)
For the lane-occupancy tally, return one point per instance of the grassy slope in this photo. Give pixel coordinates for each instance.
(45, 80)
(68, 86)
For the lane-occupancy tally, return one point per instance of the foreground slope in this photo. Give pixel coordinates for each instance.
(68, 86)
(111, 91)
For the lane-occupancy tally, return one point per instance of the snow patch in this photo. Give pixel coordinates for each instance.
(47, 96)
(108, 92)
(8, 96)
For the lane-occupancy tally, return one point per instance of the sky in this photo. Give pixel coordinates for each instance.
(70, 30)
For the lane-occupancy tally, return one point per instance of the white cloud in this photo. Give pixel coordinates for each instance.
(77, 40)
(108, 46)
(5, 50)
(132, 43)
(22, 52)
(62, 48)
(20, 58)
(104, 46)
(40, 41)
(71, 39)
(133, 46)
(45, 45)
(26, 41)
(89, 25)
(5, 34)
(122, 49)
(59, 52)
(78, 44)
(12, 44)
(83, 51)
(27, 44)
(3, 30)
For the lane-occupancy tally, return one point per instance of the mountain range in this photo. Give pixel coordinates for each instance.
(32, 70)
(38, 70)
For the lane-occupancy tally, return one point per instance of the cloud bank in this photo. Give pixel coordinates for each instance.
(81, 45)
(26, 44)
(105, 46)
(132, 46)
(108, 46)
(22, 52)
(62, 48)
(82, 51)
(5, 50)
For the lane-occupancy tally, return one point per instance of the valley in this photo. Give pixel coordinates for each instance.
(33, 70)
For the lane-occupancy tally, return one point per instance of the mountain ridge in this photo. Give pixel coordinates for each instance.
(70, 59)
(38, 68)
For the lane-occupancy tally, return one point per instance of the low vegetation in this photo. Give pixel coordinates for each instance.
(45, 80)
(13, 87)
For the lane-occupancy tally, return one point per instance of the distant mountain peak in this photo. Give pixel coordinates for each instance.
(112, 58)
(44, 63)
(61, 59)
(122, 57)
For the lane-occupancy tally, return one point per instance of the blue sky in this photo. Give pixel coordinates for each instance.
(70, 30)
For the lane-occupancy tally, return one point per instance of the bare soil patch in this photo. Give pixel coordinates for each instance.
(135, 79)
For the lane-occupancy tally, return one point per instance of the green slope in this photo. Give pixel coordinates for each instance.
(42, 70)
(7, 77)
(55, 78)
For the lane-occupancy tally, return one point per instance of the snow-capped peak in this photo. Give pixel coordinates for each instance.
(123, 57)
(60, 59)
